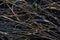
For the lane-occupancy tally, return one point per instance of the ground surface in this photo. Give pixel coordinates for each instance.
(30, 20)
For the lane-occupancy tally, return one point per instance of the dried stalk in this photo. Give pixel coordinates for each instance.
(13, 13)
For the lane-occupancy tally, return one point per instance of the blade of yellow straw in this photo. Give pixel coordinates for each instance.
(13, 12)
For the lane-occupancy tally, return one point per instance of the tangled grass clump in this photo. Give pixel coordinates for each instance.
(30, 19)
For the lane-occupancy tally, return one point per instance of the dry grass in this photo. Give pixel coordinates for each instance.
(27, 18)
